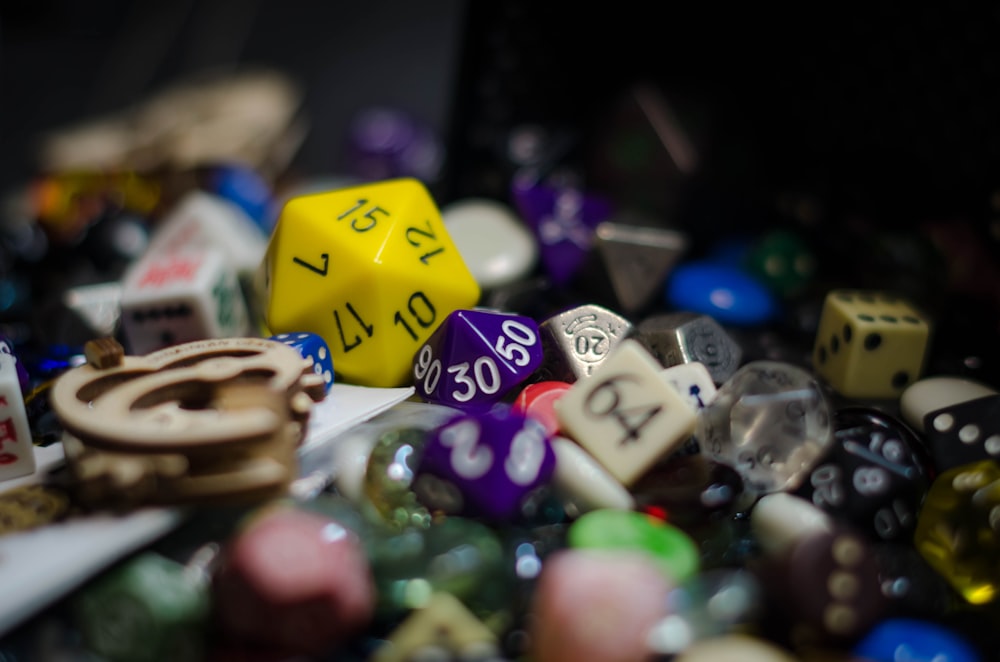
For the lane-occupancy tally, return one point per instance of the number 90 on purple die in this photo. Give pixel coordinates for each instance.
(494, 459)
(475, 357)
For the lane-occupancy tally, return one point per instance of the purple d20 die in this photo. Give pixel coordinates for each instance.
(311, 346)
(564, 219)
(475, 357)
(494, 459)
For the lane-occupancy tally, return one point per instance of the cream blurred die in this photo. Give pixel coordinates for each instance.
(17, 451)
(178, 297)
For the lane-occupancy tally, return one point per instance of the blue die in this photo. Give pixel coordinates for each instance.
(311, 346)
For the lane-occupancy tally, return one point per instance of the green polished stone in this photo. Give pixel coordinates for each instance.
(610, 529)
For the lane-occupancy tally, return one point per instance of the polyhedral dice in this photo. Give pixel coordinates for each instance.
(626, 415)
(635, 260)
(578, 340)
(150, 608)
(369, 268)
(828, 584)
(873, 476)
(205, 220)
(475, 357)
(444, 629)
(494, 459)
(295, 580)
(563, 218)
(687, 337)
(964, 432)
(311, 346)
(693, 382)
(958, 529)
(771, 422)
(178, 297)
(17, 451)
(870, 344)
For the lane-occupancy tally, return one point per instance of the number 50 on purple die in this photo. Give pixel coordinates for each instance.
(475, 357)
(494, 459)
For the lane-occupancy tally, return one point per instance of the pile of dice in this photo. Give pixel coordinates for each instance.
(617, 447)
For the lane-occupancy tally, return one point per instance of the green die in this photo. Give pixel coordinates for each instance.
(783, 261)
(148, 609)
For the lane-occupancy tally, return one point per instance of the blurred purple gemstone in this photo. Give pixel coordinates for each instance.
(384, 143)
(564, 218)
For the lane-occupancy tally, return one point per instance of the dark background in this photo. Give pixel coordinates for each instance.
(883, 107)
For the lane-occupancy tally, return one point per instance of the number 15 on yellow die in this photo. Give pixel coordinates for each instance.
(369, 268)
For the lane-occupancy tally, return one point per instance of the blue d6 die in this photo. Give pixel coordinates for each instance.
(311, 346)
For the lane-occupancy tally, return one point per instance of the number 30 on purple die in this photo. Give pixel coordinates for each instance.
(494, 459)
(475, 357)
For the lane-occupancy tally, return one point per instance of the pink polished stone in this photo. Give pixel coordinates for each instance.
(597, 606)
(296, 581)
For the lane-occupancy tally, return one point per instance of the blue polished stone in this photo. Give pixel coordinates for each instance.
(724, 292)
(913, 640)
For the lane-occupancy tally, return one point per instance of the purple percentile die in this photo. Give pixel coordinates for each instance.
(476, 357)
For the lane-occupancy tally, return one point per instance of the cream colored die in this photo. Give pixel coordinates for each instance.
(17, 450)
(627, 416)
(870, 344)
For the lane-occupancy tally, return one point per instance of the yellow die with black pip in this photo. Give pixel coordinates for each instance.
(870, 344)
(371, 269)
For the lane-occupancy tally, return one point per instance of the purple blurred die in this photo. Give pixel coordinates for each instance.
(494, 459)
(564, 218)
(311, 346)
(7, 347)
(475, 357)
(386, 142)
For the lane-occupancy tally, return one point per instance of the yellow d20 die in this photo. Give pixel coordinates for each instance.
(369, 268)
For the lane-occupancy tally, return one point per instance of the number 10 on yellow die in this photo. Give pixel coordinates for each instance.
(369, 268)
